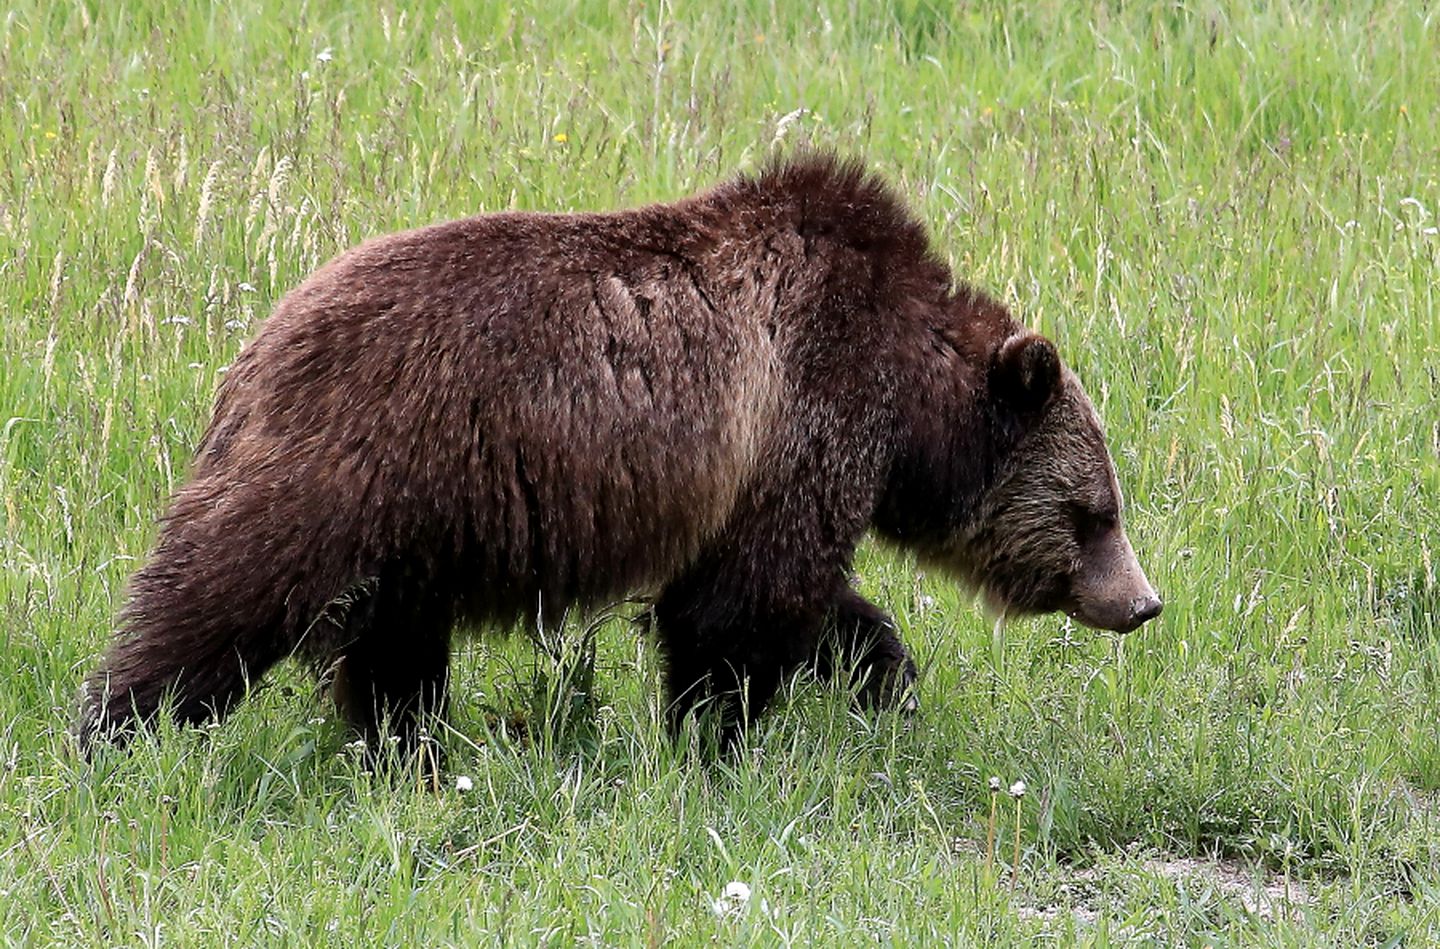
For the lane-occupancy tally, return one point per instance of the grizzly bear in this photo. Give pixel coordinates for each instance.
(709, 402)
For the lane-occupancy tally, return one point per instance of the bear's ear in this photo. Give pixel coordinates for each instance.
(1026, 370)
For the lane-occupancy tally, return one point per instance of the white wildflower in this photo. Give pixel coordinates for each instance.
(463, 784)
(1017, 789)
(326, 54)
(732, 900)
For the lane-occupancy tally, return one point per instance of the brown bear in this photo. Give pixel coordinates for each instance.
(709, 401)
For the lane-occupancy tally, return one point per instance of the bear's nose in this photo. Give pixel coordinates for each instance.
(1144, 608)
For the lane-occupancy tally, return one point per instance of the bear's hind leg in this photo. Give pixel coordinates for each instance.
(393, 671)
(146, 666)
(205, 617)
(860, 641)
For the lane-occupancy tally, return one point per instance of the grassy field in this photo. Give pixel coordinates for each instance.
(1227, 218)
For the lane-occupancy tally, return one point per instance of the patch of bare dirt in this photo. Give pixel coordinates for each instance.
(1254, 890)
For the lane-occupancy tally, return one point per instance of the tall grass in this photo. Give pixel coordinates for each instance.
(1226, 216)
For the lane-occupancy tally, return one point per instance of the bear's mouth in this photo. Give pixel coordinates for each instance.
(1136, 614)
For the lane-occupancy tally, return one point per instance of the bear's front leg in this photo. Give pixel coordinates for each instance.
(728, 645)
(860, 641)
(393, 671)
(385, 695)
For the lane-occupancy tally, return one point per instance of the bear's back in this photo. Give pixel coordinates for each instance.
(560, 398)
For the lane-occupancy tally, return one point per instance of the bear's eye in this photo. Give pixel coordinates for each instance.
(1091, 522)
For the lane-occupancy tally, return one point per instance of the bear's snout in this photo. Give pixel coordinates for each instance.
(1111, 590)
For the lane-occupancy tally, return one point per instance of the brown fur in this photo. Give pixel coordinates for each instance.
(710, 400)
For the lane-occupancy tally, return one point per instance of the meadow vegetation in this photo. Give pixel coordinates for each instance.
(1225, 214)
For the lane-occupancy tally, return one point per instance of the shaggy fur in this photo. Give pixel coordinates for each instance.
(710, 400)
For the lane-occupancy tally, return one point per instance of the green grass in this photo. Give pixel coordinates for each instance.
(1226, 216)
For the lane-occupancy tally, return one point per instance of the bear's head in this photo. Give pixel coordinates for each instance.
(1047, 531)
